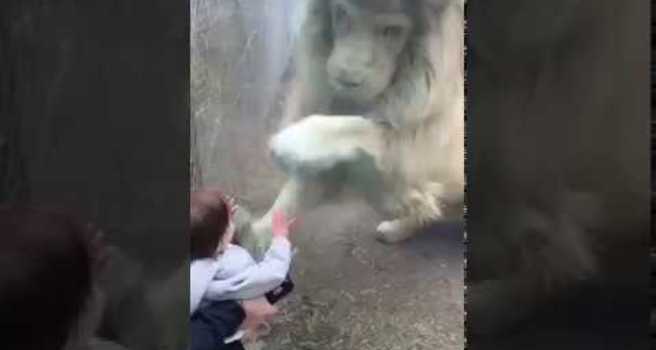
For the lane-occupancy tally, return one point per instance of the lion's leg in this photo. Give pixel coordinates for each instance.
(320, 154)
(297, 196)
(345, 151)
(414, 208)
(319, 144)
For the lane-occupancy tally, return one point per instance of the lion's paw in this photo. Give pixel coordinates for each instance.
(392, 231)
(318, 144)
(298, 150)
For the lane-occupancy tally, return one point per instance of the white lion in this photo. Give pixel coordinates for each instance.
(377, 109)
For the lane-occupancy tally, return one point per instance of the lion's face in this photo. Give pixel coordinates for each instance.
(367, 44)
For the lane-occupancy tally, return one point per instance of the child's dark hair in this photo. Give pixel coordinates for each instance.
(209, 219)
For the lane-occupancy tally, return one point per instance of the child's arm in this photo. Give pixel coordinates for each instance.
(257, 279)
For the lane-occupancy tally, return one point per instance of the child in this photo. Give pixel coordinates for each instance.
(221, 271)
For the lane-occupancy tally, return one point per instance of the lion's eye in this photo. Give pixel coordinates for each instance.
(340, 14)
(340, 20)
(392, 32)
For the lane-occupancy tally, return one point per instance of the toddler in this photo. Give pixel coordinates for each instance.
(223, 271)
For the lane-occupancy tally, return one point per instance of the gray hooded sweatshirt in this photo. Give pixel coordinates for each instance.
(235, 275)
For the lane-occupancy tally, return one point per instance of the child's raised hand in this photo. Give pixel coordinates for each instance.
(281, 225)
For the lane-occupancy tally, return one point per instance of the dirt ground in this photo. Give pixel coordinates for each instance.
(353, 292)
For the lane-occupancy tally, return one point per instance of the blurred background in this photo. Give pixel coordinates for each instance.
(94, 112)
(240, 52)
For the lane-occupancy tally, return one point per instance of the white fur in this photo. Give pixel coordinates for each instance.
(321, 142)
(418, 156)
